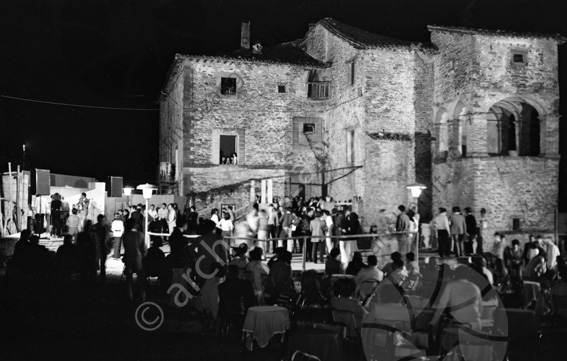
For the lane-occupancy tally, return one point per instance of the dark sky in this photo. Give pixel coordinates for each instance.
(115, 54)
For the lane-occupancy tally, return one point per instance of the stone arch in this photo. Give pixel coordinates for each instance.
(460, 119)
(515, 127)
(442, 124)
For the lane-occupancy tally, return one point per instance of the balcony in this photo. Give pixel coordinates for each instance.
(318, 90)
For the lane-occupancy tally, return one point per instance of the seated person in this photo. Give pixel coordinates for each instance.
(235, 297)
(343, 300)
(208, 299)
(20, 256)
(412, 267)
(256, 271)
(355, 265)
(333, 265)
(481, 266)
(239, 259)
(67, 256)
(395, 257)
(398, 273)
(513, 259)
(386, 307)
(155, 264)
(280, 270)
(367, 278)
(535, 269)
(39, 256)
(462, 298)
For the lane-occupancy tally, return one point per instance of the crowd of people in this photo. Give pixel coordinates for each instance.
(225, 280)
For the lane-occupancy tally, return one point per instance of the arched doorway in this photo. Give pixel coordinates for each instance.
(513, 128)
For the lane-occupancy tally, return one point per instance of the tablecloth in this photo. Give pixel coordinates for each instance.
(262, 322)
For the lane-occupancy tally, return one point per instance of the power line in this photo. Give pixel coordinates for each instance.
(76, 105)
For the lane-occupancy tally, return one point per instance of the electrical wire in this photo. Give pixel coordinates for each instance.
(76, 105)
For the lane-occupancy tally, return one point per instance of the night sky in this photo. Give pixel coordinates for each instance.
(115, 54)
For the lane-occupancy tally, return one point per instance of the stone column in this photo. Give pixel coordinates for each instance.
(263, 191)
(549, 136)
(270, 195)
(476, 140)
(252, 191)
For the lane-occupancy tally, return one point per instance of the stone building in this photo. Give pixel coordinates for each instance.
(358, 116)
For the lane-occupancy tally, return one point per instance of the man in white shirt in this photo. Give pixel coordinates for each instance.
(117, 228)
(441, 225)
(152, 213)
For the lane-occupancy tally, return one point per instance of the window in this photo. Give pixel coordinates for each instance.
(228, 143)
(308, 128)
(228, 86)
(281, 88)
(519, 57)
(228, 153)
(350, 72)
(318, 90)
(350, 147)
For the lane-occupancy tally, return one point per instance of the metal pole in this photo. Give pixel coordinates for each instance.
(146, 226)
(303, 252)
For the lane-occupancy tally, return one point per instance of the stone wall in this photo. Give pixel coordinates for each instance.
(209, 187)
(476, 72)
(257, 115)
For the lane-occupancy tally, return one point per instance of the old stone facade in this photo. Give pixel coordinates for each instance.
(473, 116)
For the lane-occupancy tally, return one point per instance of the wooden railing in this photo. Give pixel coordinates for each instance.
(400, 236)
(319, 89)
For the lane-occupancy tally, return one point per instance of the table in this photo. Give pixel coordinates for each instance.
(262, 322)
(340, 276)
(325, 344)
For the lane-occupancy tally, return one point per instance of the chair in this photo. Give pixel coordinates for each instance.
(531, 292)
(487, 317)
(367, 287)
(386, 341)
(302, 356)
(347, 319)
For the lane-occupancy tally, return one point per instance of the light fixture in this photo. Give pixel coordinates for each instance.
(147, 190)
(128, 191)
(415, 189)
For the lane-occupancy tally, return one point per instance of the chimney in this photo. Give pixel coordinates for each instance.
(245, 35)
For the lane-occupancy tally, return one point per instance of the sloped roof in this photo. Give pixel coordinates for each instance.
(502, 33)
(286, 53)
(362, 39)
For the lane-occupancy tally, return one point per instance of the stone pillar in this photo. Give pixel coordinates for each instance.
(252, 191)
(263, 191)
(270, 195)
(477, 136)
(549, 136)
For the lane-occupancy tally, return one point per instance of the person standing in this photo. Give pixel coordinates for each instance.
(56, 225)
(470, 221)
(83, 207)
(482, 231)
(441, 226)
(152, 213)
(162, 219)
(73, 224)
(102, 231)
(134, 252)
(403, 225)
(171, 217)
(117, 232)
(318, 227)
(458, 230)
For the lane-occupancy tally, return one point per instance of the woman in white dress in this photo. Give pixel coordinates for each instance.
(171, 217)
